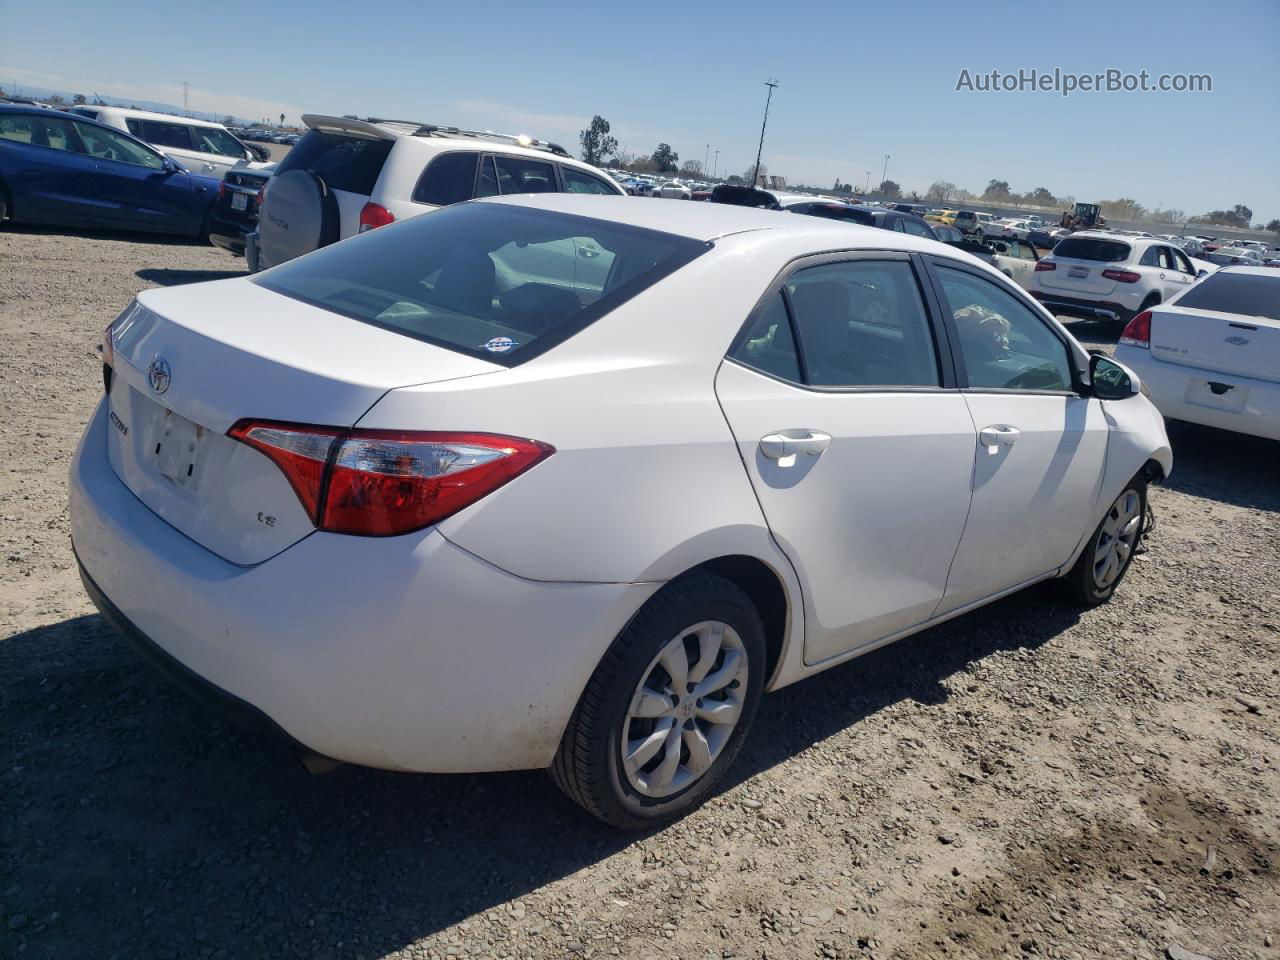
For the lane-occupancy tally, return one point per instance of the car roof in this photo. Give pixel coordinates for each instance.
(26, 108)
(1252, 271)
(709, 221)
(150, 115)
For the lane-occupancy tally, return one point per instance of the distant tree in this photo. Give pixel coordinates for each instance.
(78, 99)
(940, 191)
(1042, 197)
(1068, 201)
(228, 121)
(665, 159)
(691, 168)
(996, 190)
(889, 189)
(751, 171)
(734, 178)
(643, 164)
(1123, 209)
(963, 195)
(2, 93)
(57, 100)
(282, 119)
(596, 142)
(623, 159)
(1274, 226)
(1237, 216)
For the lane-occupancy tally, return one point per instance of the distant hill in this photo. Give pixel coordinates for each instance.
(44, 93)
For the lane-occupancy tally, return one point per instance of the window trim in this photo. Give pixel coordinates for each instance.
(932, 264)
(943, 354)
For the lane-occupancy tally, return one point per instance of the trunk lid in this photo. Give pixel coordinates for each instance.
(1247, 346)
(191, 361)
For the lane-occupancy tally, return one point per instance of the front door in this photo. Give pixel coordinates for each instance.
(858, 446)
(136, 189)
(1040, 445)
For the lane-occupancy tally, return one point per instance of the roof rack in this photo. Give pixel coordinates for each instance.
(438, 130)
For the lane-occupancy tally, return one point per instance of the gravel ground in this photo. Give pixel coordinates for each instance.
(1026, 780)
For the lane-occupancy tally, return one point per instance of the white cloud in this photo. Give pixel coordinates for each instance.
(200, 100)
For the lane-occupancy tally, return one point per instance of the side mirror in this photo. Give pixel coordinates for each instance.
(1112, 380)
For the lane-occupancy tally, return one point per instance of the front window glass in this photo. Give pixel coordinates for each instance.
(491, 280)
(104, 144)
(1005, 346)
(213, 140)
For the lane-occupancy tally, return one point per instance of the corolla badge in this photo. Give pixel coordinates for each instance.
(159, 374)
(1238, 341)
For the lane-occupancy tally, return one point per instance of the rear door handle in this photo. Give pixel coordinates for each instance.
(785, 443)
(998, 435)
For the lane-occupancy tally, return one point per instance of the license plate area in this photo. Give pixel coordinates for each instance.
(239, 201)
(1078, 273)
(1217, 395)
(178, 450)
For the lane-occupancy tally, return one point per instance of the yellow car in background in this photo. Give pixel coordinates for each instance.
(942, 216)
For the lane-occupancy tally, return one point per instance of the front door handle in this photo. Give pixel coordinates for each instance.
(786, 443)
(998, 435)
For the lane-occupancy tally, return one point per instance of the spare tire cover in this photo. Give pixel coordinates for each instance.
(299, 214)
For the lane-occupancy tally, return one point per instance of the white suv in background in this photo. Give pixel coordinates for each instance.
(1107, 276)
(199, 145)
(348, 175)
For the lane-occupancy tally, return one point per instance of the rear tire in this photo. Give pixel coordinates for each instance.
(1108, 554)
(705, 627)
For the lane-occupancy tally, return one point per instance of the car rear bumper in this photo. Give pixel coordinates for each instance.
(406, 653)
(1187, 393)
(1085, 309)
(229, 234)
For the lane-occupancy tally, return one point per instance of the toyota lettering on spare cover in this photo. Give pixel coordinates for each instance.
(159, 374)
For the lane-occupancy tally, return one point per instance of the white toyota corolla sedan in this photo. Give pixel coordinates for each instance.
(571, 481)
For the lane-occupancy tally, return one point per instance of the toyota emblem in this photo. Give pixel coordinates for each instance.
(159, 374)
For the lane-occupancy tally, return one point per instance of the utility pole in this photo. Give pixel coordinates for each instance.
(717, 165)
(886, 168)
(185, 98)
(706, 155)
(770, 83)
(867, 189)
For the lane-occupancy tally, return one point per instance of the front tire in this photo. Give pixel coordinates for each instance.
(1108, 554)
(667, 709)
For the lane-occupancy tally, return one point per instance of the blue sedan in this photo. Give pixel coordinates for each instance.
(70, 171)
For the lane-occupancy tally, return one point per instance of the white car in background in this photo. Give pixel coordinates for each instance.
(473, 493)
(673, 190)
(1007, 229)
(1212, 355)
(349, 175)
(199, 145)
(1236, 256)
(1111, 276)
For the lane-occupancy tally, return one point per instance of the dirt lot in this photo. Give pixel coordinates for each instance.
(1028, 780)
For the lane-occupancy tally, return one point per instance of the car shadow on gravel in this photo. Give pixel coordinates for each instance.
(141, 824)
(167, 277)
(127, 236)
(1224, 466)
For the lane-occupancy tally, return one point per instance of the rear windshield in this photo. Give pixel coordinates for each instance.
(1091, 248)
(494, 281)
(344, 163)
(1245, 293)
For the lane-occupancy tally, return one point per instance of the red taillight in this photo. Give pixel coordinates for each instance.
(379, 482)
(1045, 265)
(374, 215)
(1137, 332)
(1122, 276)
(222, 189)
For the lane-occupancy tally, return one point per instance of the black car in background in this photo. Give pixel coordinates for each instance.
(235, 212)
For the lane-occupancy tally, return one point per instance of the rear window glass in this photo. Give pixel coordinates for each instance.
(345, 163)
(1244, 293)
(494, 281)
(449, 178)
(1092, 248)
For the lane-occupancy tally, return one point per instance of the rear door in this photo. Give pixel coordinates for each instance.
(52, 176)
(1040, 445)
(859, 447)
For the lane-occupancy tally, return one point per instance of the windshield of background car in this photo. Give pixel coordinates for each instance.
(1092, 248)
(1244, 293)
(345, 163)
(494, 281)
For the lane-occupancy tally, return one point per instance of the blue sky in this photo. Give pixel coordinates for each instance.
(858, 81)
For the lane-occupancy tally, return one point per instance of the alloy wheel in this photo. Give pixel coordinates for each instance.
(685, 709)
(1118, 537)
